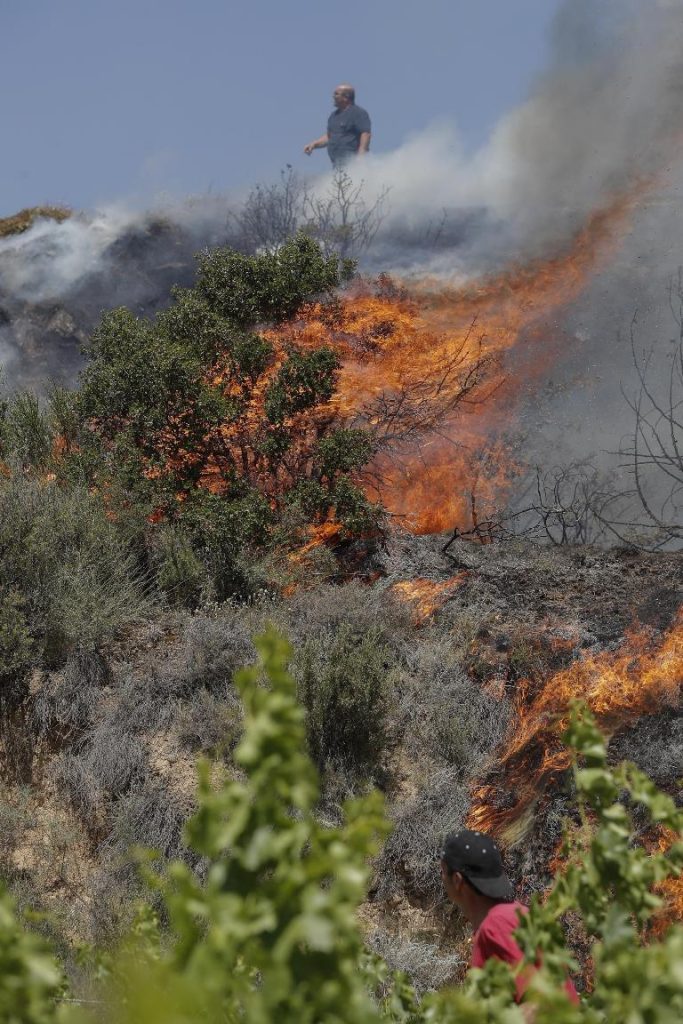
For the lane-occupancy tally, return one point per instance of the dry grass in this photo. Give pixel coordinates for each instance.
(22, 221)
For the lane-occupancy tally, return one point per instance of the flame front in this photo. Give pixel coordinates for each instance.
(434, 374)
(617, 687)
(670, 891)
(431, 371)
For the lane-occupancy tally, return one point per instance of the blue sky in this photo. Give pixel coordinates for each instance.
(116, 99)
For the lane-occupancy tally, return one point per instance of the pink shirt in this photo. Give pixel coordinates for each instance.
(494, 938)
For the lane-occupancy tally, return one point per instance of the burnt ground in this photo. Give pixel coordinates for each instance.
(108, 743)
(609, 591)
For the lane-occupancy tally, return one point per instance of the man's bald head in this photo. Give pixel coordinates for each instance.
(344, 95)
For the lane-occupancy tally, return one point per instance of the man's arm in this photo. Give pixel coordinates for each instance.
(364, 142)
(317, 144)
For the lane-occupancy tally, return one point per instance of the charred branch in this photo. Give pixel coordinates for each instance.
(654, 458)
(341, 220)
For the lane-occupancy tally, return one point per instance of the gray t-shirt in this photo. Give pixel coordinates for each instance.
(344, 129)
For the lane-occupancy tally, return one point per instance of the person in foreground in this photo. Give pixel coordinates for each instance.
(475, 881)
(348, 129)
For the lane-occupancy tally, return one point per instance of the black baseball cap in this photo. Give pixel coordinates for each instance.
(476, 856)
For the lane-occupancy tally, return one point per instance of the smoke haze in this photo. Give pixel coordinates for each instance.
(603, 121)
(604, 117)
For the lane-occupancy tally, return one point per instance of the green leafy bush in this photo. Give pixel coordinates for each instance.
(199, 446)
(16, 648)
(271, 286)
(343, 687)
(201, 422)
(209, 543)
(74, 581)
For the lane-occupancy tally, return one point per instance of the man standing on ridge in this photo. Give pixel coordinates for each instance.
(475, 880)
(348, 129)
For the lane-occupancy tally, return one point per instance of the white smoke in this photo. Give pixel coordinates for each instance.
(50, 259)
(604, 117)
(45, 262)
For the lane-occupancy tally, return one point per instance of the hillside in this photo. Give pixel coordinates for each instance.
(419, 702)
(283, 441)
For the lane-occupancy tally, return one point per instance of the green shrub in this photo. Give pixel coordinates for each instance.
(271, 286)
(196, 421)
(356, 513)
(344, 686)
(343, 451)
(304, 380)
(16, 648)
(219, 530)
(26, 433)
(78, 581)
(91, 597)
(205, 424)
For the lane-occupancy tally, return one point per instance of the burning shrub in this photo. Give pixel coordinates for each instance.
(211, 426)
(304, 380)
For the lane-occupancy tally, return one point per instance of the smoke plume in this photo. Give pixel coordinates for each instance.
(604, 118)
(603, 122)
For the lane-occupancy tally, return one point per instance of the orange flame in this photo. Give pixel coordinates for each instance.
(427, 596)
(670, 890)
(617, 687)
(435, 374)
(413, 364)
(325, 533)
